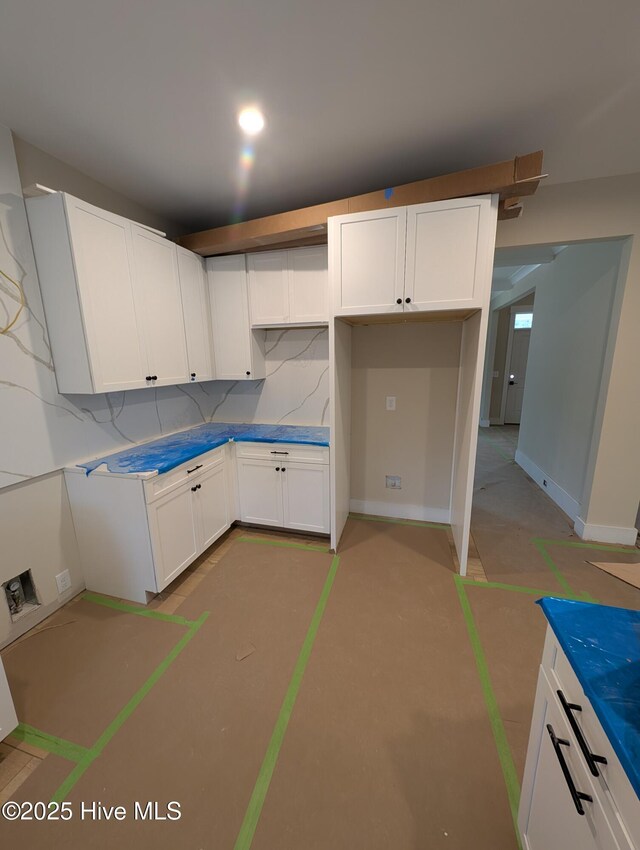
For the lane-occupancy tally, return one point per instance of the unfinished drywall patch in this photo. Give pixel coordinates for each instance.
(418, 365)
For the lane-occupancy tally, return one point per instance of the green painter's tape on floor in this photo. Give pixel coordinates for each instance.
(417, 522)
(129, 608)
(283, 544)
(252, 815)
(515, 588)
(50, 743)
(91, 755)
(497, 726)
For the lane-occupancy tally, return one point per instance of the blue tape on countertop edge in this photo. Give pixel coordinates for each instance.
(166, 453)
(602, 644)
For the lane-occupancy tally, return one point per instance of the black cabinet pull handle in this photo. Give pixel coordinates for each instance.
(248, 373)
(277, 469)
(154, 377)
(576, 796)
(193, 374)
(284, 468)
(148, 378)
(189, 471)
(398, 300)
(408, 300)
(279, 453)
(589, 757)
(193, 489)
(198, 486)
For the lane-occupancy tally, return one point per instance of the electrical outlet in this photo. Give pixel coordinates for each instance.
(393, 482)
(391, 402)
(63, 580)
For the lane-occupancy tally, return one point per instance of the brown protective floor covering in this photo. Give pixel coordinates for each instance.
(390, 744)
(630, 573)
(71, 678)
(200, 736)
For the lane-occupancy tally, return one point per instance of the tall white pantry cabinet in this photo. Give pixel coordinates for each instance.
(427, 263)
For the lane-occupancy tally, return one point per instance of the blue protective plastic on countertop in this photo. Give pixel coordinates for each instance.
(168, 452)
(602, 644)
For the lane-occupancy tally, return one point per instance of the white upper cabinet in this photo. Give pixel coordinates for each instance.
(447, 249)
(157, 290)
(268, 288)
(367, 261)
(83, 255)
(112, 299)
(288, 287)
(308, 285)
(195, 306)
(238, 351)
(434, 256)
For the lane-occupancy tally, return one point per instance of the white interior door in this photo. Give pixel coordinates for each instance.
(8, 719)
(157, 288)
(516, 375)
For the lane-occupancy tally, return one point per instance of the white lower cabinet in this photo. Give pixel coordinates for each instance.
(563, 806)
(137, 533)
(286, 486)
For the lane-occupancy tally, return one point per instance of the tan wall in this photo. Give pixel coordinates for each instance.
(37, 166)
(596, 209)
(419, 364)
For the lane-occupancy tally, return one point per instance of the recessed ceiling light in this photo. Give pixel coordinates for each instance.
(251, 120)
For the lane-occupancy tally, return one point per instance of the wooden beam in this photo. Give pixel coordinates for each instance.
(511, 179)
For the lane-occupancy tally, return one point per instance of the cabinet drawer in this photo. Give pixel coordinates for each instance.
(166, 482)
(549, 819)
(283, 451)
(612, 782)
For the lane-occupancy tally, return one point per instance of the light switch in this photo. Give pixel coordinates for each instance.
(391, 402)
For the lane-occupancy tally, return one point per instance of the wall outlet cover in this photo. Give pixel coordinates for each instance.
(63, 580)
(390, 402)
(393, 482)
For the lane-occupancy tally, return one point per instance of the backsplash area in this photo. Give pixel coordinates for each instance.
(43, 431)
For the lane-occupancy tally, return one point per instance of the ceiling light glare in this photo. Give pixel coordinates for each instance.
(251, 120)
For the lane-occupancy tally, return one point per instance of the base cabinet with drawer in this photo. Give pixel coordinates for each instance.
(136, 534)
(284, 486)
(575, 793)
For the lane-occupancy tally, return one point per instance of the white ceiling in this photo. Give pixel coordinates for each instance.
(358, 95)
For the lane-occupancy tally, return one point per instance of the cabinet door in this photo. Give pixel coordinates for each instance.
(367, 262)
(195, 306)
(8, 719)
(268, 288)
(212, 505)
(157, 290)
(308, 285)
(101, 245)
(305, 490)
(447, 242)
(174, 542)
(260, 491)
(232, 344)
(548, 818)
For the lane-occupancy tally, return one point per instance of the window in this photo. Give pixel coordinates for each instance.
(522, 321)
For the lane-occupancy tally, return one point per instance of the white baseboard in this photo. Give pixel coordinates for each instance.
(605, 533)
(562, 499)
(484, 423)
(496, 421)
(388, 509)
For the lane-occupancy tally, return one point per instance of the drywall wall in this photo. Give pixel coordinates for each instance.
(587, 210)
(419, 365)
(37, 534)
(37, 166)
(574, 302)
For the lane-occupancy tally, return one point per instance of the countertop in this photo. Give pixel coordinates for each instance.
(166, 453)
(602, 644)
